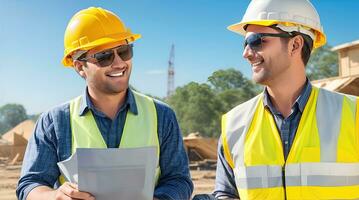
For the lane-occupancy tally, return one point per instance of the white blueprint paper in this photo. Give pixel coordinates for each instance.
(113, 174)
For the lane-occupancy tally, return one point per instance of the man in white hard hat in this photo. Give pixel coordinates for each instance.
(108, 115)
(293, 141)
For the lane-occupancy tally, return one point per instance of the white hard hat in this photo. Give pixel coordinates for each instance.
(290, 15)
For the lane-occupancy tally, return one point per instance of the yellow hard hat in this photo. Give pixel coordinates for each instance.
(290, 15)
(93, 27)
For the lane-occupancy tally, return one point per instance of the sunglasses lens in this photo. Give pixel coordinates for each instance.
(125, 52)
(104, 58)
(254, 41)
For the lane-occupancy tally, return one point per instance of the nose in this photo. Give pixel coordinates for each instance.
(118, 62)
(248, 53)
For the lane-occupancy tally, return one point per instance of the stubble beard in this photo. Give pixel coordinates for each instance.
(111, 89)
(262, 76)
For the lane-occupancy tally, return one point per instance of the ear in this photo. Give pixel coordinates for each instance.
(80, 68)
(296, 45)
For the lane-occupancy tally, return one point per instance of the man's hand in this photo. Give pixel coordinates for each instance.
(69, 191)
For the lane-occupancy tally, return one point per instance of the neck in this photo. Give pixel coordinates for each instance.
(283, 93)
(107, 103)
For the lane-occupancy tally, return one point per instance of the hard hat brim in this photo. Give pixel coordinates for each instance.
(239, 28)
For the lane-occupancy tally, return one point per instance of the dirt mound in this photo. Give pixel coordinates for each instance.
(23, 129)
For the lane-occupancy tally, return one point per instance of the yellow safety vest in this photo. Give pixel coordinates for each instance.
(139, 130)
(323, 162)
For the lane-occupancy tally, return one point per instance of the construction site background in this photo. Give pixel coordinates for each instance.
(202, 151)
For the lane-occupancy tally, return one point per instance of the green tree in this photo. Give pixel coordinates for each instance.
(10, 116)
(232, 88)
(231, 98)
(197, 109)
(227, 79)
(3, 128)
(323, 63)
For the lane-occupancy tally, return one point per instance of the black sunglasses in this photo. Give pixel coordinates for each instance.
(255, 40)
(106, 58)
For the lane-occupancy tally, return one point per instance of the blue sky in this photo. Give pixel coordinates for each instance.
(31, 50)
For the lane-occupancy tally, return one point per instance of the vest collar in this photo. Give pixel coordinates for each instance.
(301, 100)
(86, 103)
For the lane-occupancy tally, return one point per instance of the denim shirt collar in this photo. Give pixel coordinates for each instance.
(87, 104)
(301, 100)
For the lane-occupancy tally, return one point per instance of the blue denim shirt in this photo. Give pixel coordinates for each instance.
(287, 127)
(51, 143)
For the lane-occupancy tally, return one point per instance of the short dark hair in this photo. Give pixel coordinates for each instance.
(307, 47)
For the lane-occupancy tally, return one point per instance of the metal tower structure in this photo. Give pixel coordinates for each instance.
(171, 72)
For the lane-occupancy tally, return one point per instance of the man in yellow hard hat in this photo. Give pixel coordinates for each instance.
(292, 141)
(108, 115)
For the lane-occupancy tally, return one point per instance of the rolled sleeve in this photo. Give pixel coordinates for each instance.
(225, 185)
(175, 181)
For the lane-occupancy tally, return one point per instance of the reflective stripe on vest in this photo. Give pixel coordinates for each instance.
(322, 174)
(304, 174)
(327, 137)
(139, 130)
(259, 176)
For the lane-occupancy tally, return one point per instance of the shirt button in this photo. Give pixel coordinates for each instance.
(286, 142)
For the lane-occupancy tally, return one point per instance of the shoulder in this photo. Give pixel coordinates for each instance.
(164, 110)
(56, 112)
(330, 96)
(246, 106)
(167, 126)
(165, 113)
(54, 119)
